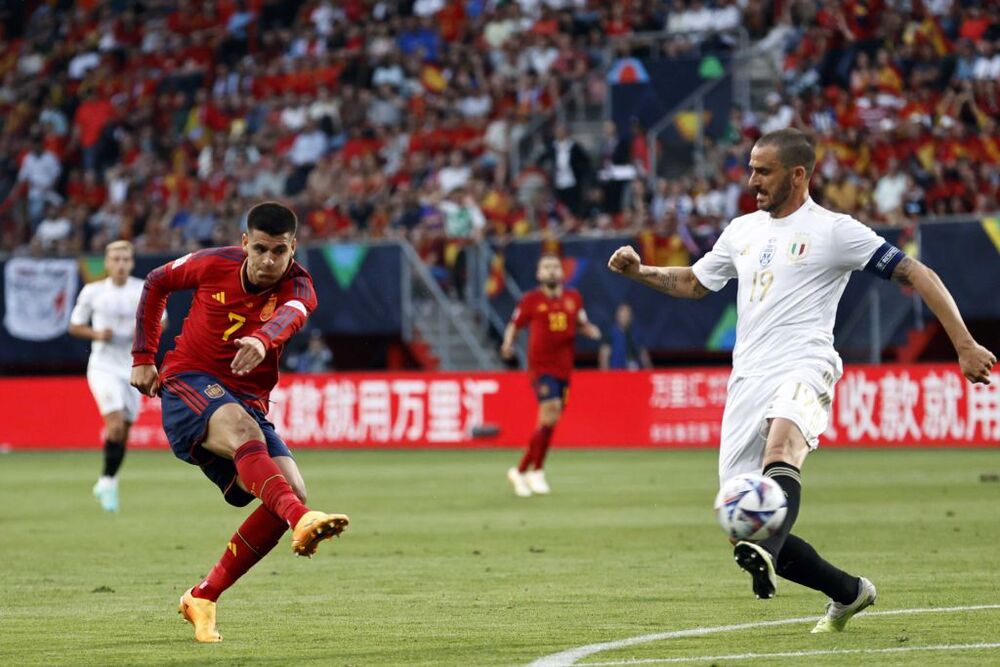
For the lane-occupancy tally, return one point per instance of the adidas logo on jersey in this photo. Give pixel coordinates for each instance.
(220, 297)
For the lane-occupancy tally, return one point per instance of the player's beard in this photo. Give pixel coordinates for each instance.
(778, 196)
(550, 285)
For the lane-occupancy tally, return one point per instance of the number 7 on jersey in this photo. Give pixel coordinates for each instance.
(238, 320)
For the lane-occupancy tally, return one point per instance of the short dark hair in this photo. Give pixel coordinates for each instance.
(795, 149)
(272, 218)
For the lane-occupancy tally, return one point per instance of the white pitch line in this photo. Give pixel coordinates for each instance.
(569, 657)
(796, 654)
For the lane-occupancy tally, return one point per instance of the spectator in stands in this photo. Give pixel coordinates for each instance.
(91, 118)
(568, 167)
(889, 192)
(40, 170)
(54, 232)
(616, 168)
(464, 223)
(619, 349)
(456, 174)
(315, 358)
(232, 101)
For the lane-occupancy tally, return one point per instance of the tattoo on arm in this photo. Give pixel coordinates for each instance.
(668, 281)
(903, 273)
(679, 282)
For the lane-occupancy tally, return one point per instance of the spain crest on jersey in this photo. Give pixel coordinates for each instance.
(798, 248)
(268, 310)
(214, 391)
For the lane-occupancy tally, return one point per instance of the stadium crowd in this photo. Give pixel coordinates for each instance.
(158, 121)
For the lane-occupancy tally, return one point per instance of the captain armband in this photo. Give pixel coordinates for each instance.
(884, 261)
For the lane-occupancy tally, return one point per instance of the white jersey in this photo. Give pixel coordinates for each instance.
(792, 272)
(104, 305)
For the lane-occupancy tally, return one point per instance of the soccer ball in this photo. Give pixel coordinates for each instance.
(751, 507)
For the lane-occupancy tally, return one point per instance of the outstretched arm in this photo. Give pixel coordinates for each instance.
(676, 281)
(974, 359)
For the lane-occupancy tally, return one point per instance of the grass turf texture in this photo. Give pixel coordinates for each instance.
(443, 565)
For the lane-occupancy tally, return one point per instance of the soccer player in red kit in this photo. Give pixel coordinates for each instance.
(214, 387)
(552, 314)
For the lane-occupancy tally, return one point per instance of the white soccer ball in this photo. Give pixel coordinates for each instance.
(751, 507)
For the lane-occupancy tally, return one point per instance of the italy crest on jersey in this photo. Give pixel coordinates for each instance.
(767, 254)
(798, 248)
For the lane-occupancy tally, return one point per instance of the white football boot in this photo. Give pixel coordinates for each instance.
(106, 492)
(520, 484)
(536, 482)
(837, 615)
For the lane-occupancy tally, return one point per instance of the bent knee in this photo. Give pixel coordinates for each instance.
(229, 428)
(245, 429)
(115, 433)
(114, 427)
(300, 490)
(550, 413)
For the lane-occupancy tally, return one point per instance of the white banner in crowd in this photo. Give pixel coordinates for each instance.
(39, 296)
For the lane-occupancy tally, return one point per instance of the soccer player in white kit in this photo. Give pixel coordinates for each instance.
(792, 259)
(105, 314)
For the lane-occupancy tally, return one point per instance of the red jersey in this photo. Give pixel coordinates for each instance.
(224, 308)
(551, 326)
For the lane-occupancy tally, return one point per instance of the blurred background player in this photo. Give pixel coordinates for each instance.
(215, 385)
(793, 259)
(552, 314)
(620, 350)
(105, 314)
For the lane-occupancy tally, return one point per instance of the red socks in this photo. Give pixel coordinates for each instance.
(263, 478)
(258, 535)
(538, 446)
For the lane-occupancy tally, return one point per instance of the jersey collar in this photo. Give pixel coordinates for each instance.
(794, 215)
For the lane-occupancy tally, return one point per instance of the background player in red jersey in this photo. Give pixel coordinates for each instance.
(214, 387)
(551, 314)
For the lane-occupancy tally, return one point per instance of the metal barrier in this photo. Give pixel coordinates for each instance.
(427, 310)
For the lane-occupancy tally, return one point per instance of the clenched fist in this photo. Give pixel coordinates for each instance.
(976, 362)
(625, 261)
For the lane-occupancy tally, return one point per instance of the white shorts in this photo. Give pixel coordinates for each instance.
(802, 396)
(113, 393)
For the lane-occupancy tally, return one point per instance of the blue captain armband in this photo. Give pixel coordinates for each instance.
(884, 261)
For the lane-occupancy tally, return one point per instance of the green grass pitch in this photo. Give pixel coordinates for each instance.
(442, 565)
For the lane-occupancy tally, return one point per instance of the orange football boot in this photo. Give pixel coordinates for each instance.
(201, 614)
(313, 528)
